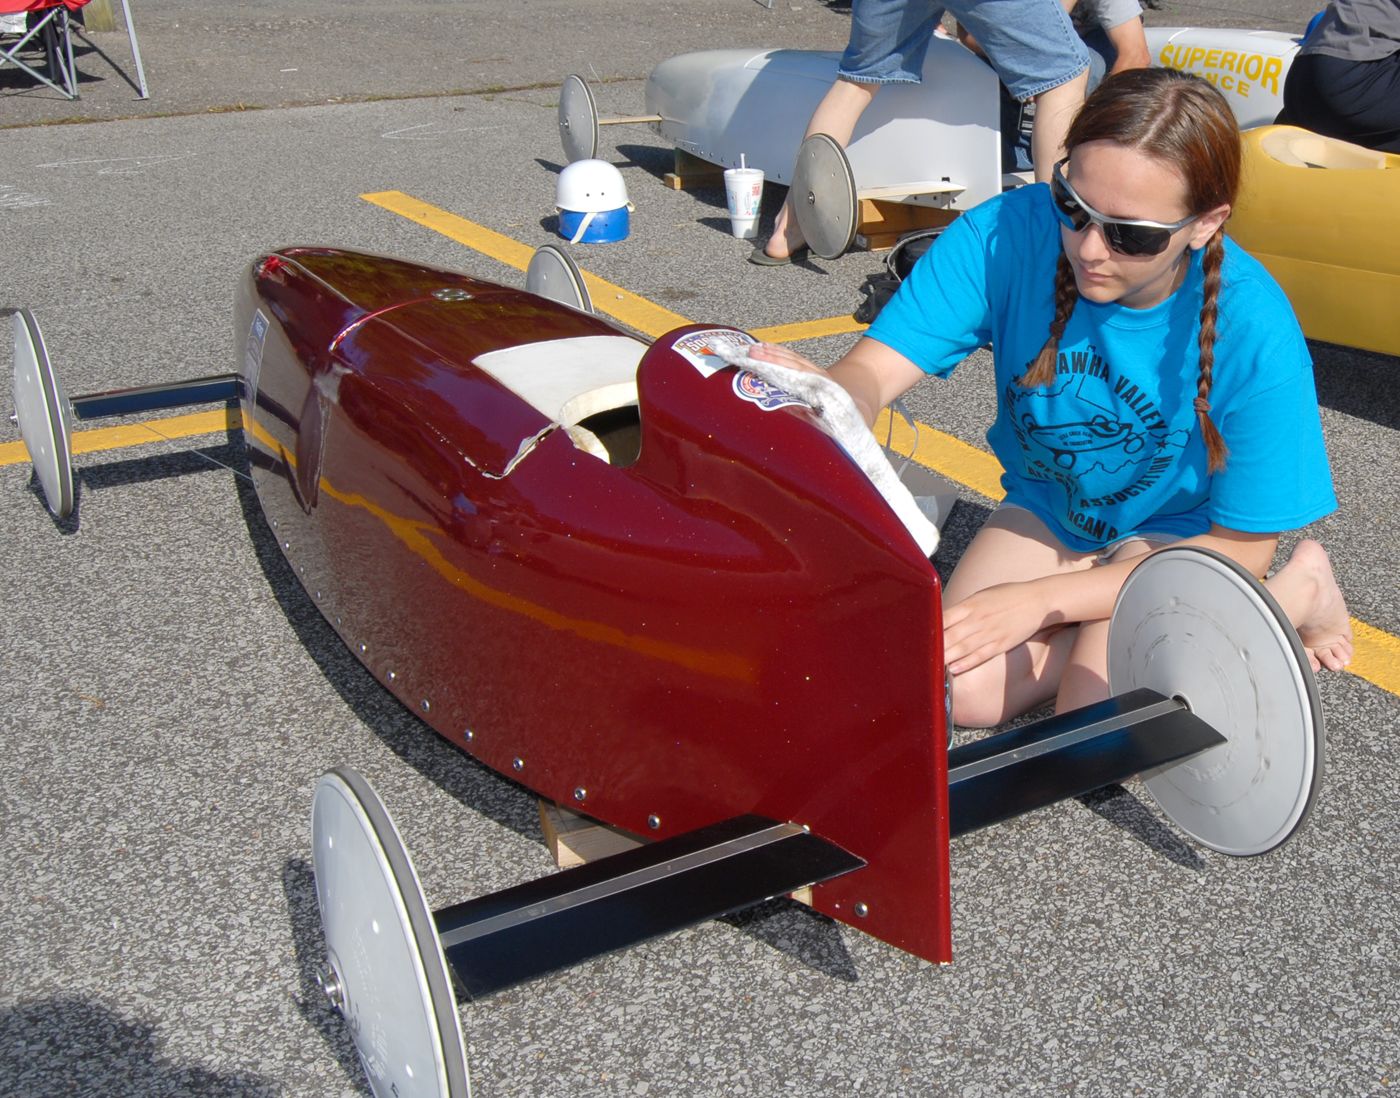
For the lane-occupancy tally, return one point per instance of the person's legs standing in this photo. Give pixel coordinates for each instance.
(836, 115)
(1034, 48)
(887, 45)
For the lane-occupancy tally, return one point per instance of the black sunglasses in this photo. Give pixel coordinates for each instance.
(1134, 238)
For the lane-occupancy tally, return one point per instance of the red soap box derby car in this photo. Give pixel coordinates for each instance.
(679, 596)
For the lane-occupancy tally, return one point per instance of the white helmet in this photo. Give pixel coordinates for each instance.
(592, 203)
(590, 186)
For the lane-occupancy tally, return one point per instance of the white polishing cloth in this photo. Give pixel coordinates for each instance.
(840, 416)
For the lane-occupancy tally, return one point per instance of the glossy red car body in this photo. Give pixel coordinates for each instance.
(734, 622)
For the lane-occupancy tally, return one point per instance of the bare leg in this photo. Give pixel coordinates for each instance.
(1054, 111)
(836, 116)
(1013, 545)
(1070, 663)
(1084, 680)
(1304, 588)
(1307, 592)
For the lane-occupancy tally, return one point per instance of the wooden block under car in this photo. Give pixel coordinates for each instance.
(573, 840)
(691, 173)
(880, 224)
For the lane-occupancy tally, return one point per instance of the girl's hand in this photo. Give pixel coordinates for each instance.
(991, 622)
(871, 372)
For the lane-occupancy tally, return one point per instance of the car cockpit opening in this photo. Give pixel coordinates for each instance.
(585, 384)
(614, 435)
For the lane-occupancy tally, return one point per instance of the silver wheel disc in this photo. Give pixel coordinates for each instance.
(1192, 624)
(578, 119)
(823, 196)
(553, 274)
(386, 972)
(45, 418)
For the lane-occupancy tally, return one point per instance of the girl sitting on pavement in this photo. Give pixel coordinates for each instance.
(1153, 387)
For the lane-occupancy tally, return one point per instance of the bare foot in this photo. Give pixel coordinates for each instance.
(787, 237)
(1308, 593)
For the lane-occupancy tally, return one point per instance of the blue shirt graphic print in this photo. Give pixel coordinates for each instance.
(1096, 440)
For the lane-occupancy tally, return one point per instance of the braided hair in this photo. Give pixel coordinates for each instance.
(1185, 122)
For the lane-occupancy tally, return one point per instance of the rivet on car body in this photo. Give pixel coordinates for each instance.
(518, 764)
(654, 822)
(862, 909)
(580, 794)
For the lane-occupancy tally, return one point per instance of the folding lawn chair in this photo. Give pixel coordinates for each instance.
(50, 25)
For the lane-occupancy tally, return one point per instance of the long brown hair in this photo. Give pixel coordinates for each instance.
(1184, 122)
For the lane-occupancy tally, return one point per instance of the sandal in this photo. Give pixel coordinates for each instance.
(762, 259)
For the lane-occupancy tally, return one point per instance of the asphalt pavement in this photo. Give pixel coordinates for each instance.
(169, 694)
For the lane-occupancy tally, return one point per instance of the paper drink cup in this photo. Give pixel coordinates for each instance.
(743, 189)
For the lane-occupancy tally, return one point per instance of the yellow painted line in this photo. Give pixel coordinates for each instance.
(498, 246)
(953, 458)
(1377, 656)
(136, 434)
(632, 309)
(13, 453)
(808, 329)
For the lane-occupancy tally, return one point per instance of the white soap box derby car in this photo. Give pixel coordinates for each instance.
(936, 143)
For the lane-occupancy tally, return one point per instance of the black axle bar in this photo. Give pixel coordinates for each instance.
(150, 398)
(556, 921)
(1068, 754)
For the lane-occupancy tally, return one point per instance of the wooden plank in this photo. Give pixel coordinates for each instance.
(573, 839)
(878, 216)
(895, 191)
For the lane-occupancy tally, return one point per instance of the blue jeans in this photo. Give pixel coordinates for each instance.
(1018, 119)
(1031, 43)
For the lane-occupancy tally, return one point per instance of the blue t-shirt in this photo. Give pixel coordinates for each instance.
(1113, 447)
